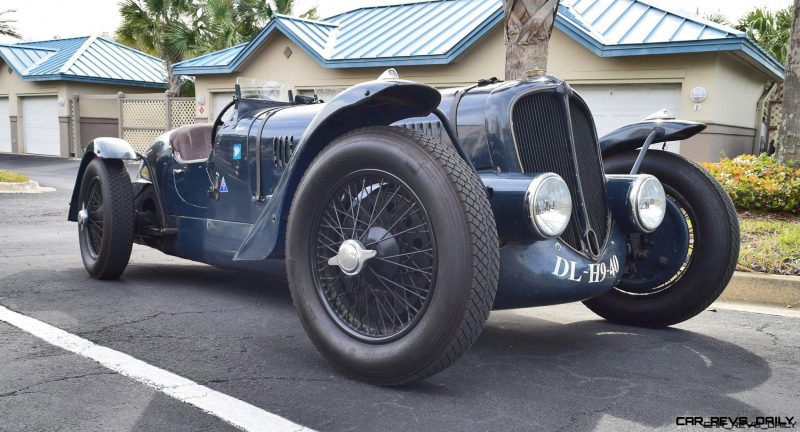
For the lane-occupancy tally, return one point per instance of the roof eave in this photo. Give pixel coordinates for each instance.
(95, 80)
(447, 58)
(764, 62)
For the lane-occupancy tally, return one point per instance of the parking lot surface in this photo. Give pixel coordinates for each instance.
(554, 368)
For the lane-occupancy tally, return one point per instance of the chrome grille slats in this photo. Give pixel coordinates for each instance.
(542, 136)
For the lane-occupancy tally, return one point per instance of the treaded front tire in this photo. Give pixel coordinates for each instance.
(105, 230)
(434, 185)
(715, 246)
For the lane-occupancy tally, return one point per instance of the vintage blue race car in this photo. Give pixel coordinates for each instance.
(405, 214)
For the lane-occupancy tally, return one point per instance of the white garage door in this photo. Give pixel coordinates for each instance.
(5, 127)
(220, 100)
(40, 125)
(615, 106)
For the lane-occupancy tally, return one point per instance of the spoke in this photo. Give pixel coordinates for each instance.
(382, 209)
(404, 299)
(396, 222)
(358, 209)
(398, 285)
(397, 234)
(404, 266)
(425, 251)
(376, 201)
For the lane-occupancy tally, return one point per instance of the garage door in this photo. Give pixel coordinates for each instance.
(5, 127)
(220, 100)
(615, 106)
(40, 125)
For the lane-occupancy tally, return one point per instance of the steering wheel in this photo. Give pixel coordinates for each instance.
(218, 122)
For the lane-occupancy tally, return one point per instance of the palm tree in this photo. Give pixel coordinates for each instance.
(771, 30)
(174, 30)
(6, 28)
(788, 148)
(164, 28)
(528, 26)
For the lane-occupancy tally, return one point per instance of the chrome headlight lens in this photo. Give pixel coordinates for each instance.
(549, 204)
(648, 201)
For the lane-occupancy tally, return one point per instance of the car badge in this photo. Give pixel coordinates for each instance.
(223, 187)
(237, 152)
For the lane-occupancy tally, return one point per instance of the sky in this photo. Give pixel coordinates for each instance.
(48, 19)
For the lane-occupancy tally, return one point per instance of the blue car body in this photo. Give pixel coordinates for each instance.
(231, 209)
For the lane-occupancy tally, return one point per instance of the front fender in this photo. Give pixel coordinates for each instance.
(373, 103)
(103, 148)
(632, 136)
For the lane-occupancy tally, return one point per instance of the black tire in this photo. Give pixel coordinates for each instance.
(106, 233)
(436, 328)
(715, 246)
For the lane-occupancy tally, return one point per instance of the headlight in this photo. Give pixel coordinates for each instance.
(549, 204)
(648, 201)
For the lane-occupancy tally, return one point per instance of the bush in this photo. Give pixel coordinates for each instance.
(758, 183)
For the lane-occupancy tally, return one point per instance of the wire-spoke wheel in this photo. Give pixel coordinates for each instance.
(392, 254)
(383, 297)
(678, 270)
(105, 219)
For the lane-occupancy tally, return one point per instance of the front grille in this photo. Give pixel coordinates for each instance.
(542, 137)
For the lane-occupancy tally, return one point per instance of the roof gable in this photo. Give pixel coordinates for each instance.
(86, 59)
(439, 31)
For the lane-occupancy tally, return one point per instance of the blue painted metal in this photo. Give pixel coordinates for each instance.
(438, 32)
(667, 248)
(237, 230)
(84, 59)
(104, 148)
(548, 272)
(632, 136)
(368, 104)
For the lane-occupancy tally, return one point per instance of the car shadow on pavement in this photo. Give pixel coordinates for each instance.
(577, 373)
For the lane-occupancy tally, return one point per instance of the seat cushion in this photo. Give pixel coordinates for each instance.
(191, 143)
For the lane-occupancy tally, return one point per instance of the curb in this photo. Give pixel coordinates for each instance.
(24, 187)
(757, 288)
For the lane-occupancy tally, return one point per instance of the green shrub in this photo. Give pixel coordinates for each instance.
(758, 183)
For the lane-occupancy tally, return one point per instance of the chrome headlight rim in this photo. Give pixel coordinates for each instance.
(634, 200)
(534, 187)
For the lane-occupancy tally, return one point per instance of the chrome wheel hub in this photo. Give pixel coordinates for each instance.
(351, 257)
(83, 216)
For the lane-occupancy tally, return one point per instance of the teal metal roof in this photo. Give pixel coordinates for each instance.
(432, 32)
(84, 59)
(439, 31)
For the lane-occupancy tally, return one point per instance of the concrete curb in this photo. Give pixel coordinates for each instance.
(24, 187)
(758, 288)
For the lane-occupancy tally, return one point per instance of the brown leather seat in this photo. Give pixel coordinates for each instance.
(191, 143)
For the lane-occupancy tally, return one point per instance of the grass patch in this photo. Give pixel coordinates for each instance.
(770, 243)
(12, 177)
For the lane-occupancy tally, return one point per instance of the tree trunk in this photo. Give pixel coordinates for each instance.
(789, 130)
(528, 25)
(173, 80)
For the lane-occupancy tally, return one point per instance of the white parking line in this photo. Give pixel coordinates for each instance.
(231, 410)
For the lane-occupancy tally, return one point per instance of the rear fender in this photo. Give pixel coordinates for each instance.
(373, 103)
(632, 136)
(103, 148)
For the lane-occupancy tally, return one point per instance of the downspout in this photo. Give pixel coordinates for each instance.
(760, 116)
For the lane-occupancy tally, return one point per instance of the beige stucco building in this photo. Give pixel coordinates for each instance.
(39, 82)
(632, 68)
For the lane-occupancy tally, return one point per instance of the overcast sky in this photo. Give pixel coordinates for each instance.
(46, 19)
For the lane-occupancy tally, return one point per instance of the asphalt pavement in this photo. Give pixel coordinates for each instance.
(554, 368)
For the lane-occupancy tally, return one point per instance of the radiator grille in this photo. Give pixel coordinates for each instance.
(542, 138)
